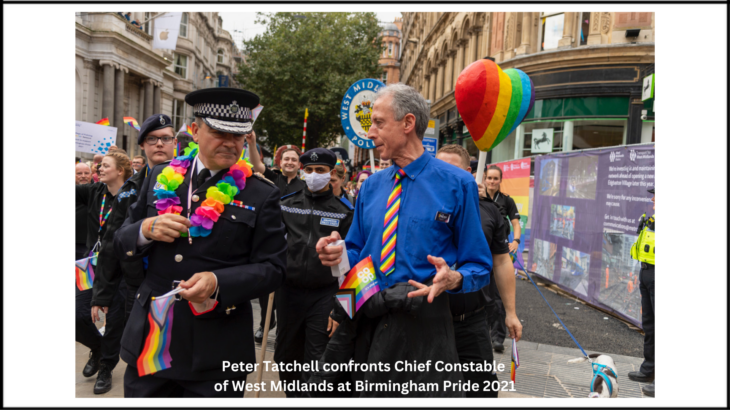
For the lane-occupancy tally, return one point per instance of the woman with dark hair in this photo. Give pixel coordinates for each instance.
(100, 199)
(359, 179)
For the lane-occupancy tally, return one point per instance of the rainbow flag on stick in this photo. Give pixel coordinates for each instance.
(185, 129)
(131, 122)
(85, 271)
(155, 354)
(103, 121)
(515, 361)
(359, 285)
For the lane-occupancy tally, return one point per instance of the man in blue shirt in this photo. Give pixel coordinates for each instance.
(437, 224)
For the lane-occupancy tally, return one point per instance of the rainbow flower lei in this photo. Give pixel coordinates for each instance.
(216, 197)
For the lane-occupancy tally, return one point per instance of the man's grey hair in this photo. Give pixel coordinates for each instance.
(406, 100)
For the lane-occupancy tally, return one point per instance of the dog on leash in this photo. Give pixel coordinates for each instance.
(604, 383)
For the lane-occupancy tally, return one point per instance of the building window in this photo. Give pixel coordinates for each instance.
(180, 63)
(221, 53)
(552, 30)
(585, 24)
(184, 25)
(384, 77)
(178, 113)
(390, 49)
(598, 133)
(147, 28)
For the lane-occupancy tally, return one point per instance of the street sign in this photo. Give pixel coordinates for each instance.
(431, 137)
(647, 89)
(356, 111)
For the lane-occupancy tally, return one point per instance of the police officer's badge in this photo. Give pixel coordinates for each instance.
(233, 107)
(162, 120)
(313, 157)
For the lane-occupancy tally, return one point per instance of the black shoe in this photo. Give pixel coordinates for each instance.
(92, 366)
(103, 380)
(497, 346)
(258, 337)
(641, 377)
(648, 390)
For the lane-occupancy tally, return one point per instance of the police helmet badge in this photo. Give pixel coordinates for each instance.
(233, 107)
(162, 120)
(313, 157)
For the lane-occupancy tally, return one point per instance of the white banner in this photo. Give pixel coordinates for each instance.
(94, 138)
(167, 28)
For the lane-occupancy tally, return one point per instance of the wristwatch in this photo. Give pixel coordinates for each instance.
(517, 240)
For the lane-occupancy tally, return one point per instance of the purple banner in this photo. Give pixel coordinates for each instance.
(585, 215)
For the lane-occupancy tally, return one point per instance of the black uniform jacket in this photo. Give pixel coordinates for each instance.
(309, 216)
(91, 197)
(107, 280)
(496, 235)
(247, 252)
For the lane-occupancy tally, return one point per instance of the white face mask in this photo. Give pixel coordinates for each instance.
(316, 181)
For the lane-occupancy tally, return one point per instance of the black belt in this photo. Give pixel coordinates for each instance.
(645, 265)
(461, 318)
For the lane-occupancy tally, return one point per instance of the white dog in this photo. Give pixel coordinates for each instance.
(604, 383)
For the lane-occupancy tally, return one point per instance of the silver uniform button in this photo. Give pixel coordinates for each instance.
(138, 295)
(178, 258)
(129, 253)
(233, 216)
(196, 198)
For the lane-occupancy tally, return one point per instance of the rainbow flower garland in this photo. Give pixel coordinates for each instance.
(216, 197)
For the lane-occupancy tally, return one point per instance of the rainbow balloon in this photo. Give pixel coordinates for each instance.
(492, 102)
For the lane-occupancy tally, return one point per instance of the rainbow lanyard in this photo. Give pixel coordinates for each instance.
(102, 217)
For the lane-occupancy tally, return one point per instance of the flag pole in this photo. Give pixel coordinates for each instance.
(304, 136)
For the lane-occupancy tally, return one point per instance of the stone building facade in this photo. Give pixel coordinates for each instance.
(118, 74)
(391, 35)
(587, 68)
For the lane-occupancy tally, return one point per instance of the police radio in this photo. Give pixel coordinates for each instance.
(642, 223)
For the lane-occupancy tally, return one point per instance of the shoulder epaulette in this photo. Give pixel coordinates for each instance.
(263, 178)
(347, 203)
(290, 194)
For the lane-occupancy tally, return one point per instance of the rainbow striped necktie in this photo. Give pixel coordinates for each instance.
(387, 255)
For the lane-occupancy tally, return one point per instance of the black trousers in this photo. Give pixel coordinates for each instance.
(151, 386)
(474, 345)
(496, 313)
(302, 335)
(646, 287)
(88, 335)
(264, 303)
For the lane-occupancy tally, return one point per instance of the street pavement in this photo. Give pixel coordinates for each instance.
(544, 351)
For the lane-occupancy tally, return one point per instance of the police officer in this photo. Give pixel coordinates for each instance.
(643, 251)
(220, 265)
(508, 210)
(157, 140)
(305, 300)
(470, 310)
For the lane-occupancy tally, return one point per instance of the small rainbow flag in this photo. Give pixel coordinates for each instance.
(103, 121)
(515, 361)
(155, 354)
(85, 271)
(359, 285)
(185, 129)
(131, 122)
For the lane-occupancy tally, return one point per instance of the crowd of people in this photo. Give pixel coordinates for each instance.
(221, 231)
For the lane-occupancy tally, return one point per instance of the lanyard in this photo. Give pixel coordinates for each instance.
(102, 217)
(190, 193)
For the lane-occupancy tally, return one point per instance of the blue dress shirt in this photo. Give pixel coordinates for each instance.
(431, 187)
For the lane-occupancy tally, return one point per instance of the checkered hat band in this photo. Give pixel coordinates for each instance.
(222, 112)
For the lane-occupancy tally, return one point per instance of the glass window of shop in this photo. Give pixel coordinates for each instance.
(598, 133)
(529, 128)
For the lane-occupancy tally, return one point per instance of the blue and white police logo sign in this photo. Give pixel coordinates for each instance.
(162, 120)
(356, 111)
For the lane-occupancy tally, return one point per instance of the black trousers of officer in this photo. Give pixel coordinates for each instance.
(496, 313)
(302, 334)
(88, 335)
(474, 345)
(264, 303)
(646, 287)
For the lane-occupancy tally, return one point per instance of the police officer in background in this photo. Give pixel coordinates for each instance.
(470, 310)
(241, 257)
(643, 251)
(305, 300)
